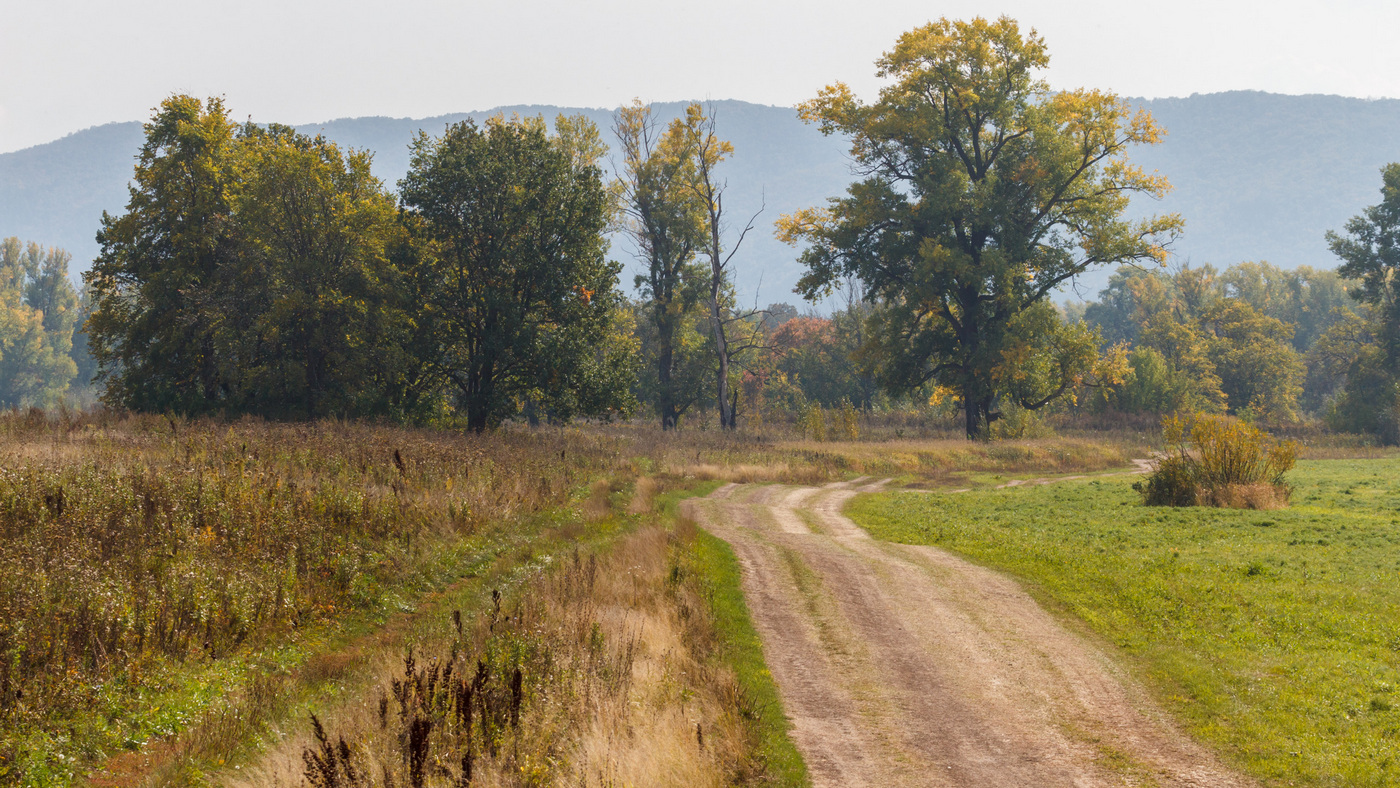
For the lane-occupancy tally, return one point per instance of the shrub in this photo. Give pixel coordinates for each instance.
(813, 423)
(1173, 482)
(849, 421)
(1224, 462)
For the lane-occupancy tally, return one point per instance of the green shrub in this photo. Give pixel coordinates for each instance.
(1172, 483)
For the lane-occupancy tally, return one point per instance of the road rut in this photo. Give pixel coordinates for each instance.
(908, 666)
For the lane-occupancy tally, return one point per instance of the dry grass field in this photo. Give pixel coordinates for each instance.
(178, 597)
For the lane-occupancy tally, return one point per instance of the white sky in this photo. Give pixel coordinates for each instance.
(66, 65)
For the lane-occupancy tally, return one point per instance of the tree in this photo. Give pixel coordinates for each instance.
(984, 192)
(1370, 252)
(38, 312)
(519, 293)
(1254, 356)
(310, 312)
(1370, 349)
(664, 221)
(249, 274)
(705, 151)
(152, 330)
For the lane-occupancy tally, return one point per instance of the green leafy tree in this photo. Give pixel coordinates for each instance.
(1370, 253)
(38, 313)
(155, 281)
(985, 191)
(1369, 348)
(1253, 355)
(251, 273)
(310, 312)
(519, 293)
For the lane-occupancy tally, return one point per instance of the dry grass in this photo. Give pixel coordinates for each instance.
(644, 496)
(1260, 495)
(133, 549)
(615, 688)
(146, 559)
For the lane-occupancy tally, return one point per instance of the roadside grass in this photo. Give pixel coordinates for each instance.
(715, 563)
(1274, 636)
(638, 666)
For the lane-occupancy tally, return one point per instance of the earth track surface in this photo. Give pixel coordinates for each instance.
(908, 666)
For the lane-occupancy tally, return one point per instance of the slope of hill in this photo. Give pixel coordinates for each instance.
(1257, 176)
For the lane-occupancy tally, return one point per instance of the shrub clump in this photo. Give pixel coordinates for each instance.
(1219, 461)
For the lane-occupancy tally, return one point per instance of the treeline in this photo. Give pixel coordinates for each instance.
(1243, 340)
(1264, 343)
(259, 270)
(43, 353)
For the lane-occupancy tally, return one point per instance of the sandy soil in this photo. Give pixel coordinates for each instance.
(904, 666)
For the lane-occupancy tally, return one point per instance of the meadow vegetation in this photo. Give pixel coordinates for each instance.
(172, 588)
(139, 551)
(1270, 633)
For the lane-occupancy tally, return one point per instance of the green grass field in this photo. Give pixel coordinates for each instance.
(1273, 635)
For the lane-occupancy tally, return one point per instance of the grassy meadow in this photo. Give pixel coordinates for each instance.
(177, 598)
(1274, 635)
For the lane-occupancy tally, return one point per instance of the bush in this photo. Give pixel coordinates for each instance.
(1172, 483)
(1225, 462)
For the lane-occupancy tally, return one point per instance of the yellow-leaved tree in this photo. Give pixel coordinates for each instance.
(984, 192)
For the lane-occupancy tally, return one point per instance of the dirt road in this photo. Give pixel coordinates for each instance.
(905, 666)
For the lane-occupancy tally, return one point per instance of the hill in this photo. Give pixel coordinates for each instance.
(1257, 176)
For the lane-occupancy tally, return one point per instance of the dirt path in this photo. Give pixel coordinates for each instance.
(905, 666)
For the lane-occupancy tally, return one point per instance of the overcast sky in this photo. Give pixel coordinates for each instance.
(66, 65)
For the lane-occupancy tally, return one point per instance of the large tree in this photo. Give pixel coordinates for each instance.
(250, 273)
(519, 293)
(310, 306)
(1370, 252)
(152, 330)
(705, 151)
(985, 191)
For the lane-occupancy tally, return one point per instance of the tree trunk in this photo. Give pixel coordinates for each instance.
(665, 366)
(726, 408)
(978, 410)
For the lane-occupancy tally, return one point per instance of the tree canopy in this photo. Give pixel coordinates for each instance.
(519, 294)
(1369, 349)
(249, 273)
(38, 316)
(984, 192)
(259, 270)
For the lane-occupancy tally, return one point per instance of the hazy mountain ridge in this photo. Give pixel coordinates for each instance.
(1257, 176)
